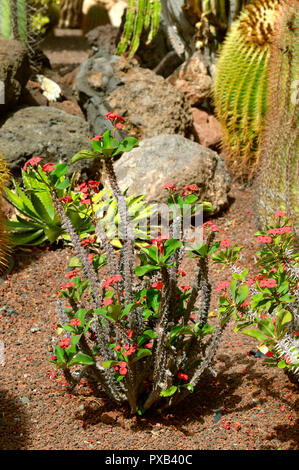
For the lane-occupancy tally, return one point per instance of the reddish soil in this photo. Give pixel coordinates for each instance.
(247, 406)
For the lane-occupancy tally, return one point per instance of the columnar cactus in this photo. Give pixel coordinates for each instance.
(5, 246)
(190, 24)
(240, 87)
(277, 182)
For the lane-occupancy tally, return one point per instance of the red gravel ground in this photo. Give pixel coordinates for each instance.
(247, 406)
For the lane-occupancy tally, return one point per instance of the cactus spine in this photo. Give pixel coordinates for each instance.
(5, 245)
(277, 182)
(240, 86)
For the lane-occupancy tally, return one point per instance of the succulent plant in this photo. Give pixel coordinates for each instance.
(5, 244)
(277, 181)
(241, 84)
(190, 23)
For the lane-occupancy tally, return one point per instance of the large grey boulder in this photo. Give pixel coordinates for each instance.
(173, 159)
(46, 132)
(14, 73)
(149, 104)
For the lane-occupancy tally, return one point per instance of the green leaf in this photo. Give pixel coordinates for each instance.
(142, 270)
(267, 327)
(254, 334)
(84, 155)
(81, 358)
(170, 391)
(108, 364)
(179, 330)
(59, 352)
(141, 353)
(126, 145)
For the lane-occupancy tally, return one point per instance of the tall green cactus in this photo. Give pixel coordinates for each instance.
(240, 85)
(5, 245)
(278, 181)
(191, 23)
(13, 14)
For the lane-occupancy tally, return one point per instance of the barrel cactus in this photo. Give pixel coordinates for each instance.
(240, 88)
(5, 245)
(277, 181)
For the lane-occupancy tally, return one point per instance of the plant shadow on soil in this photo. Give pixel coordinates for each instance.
(13, 422)
(213, 397)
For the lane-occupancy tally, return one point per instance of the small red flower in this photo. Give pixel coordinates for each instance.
(75, 322)
(279, 214)
(123, 371)
(111, 280)
(269, 353)
(119, 125)
(268, 283)
(181, 272)
(225, 243)
(223, 285)
(66, 199)
(183, 376)
(185, 287)
(97, 137)
(108, 301)
(264, 239)
(32, 162)
(214, 228)
(170, 186)
(72, 274)
(148, 345)
(87, 241)
(53, 357)
(113, 117)
(67, 285)
(85, 201)
(130, 333)
(64, 343)
(157, 285)
(191, 188)
(48, 167)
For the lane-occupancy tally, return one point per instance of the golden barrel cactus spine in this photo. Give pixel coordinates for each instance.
(277, 183)
(240, 85)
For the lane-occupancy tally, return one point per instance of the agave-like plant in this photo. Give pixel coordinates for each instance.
(37, 221)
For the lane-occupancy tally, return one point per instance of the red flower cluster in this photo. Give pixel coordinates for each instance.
(48, 167)
(264, 239)
(107, 301)
(213, 228)
(67, 285)
(268, 282)
(170, 186)
(87, 241)
(64, 343)
(121, 367)
(158, 285)
(280, 230)
(32, 162)
(190, 188)
(66, 199)
(225, 243)
(223, 285)
(114, 117)
(183, 376)
(279, 214)
(111, 280)
(72, 273)
(75, 322)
